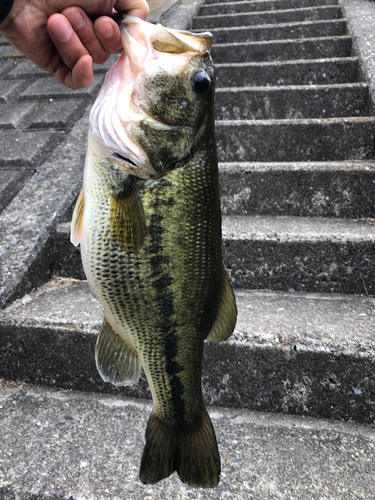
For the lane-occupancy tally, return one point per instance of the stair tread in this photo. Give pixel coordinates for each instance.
(277, 12)
(282, 88)
(284, 41)
(327, 322)
(287, 228)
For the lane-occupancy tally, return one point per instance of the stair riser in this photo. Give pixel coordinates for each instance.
(308, 266)
(275, 191)
(292, 31)
(227, 20)
(240, 6)
(292, 103)
(282, 51)
(253, 377)
(274, 4)
(326, 72)
(295, 141)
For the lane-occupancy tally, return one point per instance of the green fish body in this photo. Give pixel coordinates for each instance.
(149, 224)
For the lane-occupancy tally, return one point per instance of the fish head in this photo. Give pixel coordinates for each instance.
(155, 107)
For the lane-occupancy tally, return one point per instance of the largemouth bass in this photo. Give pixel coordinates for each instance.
(149, 225)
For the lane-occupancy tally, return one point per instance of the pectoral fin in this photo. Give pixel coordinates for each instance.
(76, 225)
(127, 217)
(115, 360)
(226, 317)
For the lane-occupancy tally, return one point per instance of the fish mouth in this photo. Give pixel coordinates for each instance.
(118, 106)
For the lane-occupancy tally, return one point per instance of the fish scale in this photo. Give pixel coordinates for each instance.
(149, 223)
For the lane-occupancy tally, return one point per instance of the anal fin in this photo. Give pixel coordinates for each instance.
(115, 360)
(127, 217)
(226, 316)
(76, 225)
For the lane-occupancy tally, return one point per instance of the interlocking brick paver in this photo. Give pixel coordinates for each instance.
(11, 182)
(7, 89)
(9, 52)
(26, 150)
(11, 115)
(50, 88)
(6, 67)
(59, 114)
(27, 69)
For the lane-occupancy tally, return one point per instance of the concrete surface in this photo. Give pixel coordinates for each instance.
(66, 445)
(309, 354)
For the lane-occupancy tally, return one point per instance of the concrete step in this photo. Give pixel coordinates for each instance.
(277, 253)
(306, 189)
(293, 102)
(306, 354)
(307, 29)
(211, 8)
(300, 254)
(71, 445)
(269, 17)
(282, 50)
(332, 139)
(302, 72)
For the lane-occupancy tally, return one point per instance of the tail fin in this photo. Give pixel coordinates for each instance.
(193, 454)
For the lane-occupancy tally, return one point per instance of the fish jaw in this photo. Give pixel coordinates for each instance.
(129, 119)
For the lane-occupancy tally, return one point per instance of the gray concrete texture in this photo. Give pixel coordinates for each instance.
(306, 29)
(316, 13)
(74, 446)
(306, 354)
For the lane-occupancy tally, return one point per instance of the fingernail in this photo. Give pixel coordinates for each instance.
(76, 20)
(87, 68)
(106, 30)
(62, 30)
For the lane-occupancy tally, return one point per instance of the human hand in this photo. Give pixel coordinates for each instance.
(59, 36)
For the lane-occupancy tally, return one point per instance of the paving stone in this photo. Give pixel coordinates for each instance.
(11, 115)
(6, 66)
(50, 88)
(59, 113)
(7, 89)
(27, 69)
(9, 52)
(26, 150)
(26, 224)
(11, 182)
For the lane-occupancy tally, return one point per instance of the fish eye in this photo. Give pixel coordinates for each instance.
(201, 81)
